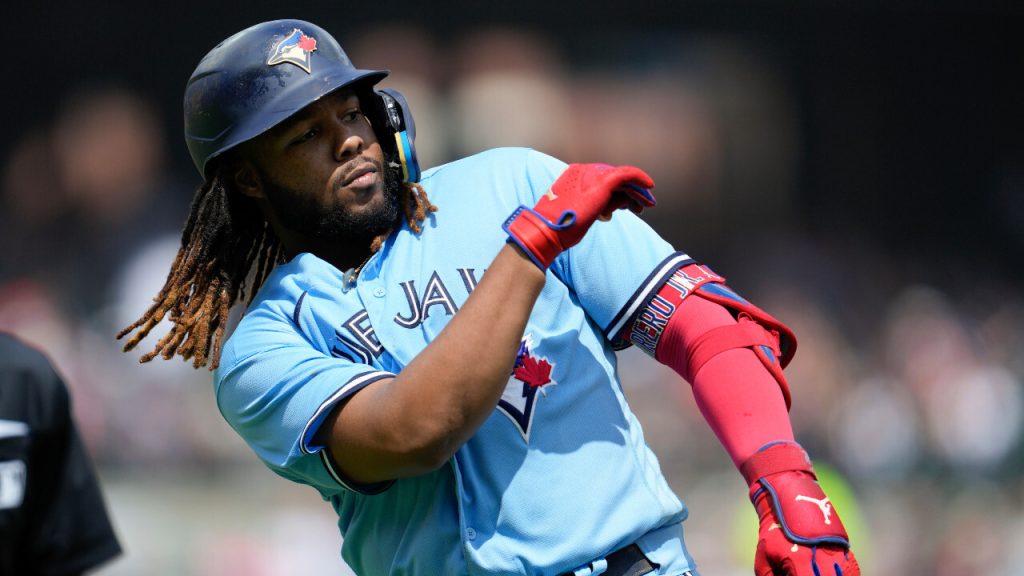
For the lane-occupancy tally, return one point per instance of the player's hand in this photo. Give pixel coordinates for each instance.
(800, 533)
(582, 194)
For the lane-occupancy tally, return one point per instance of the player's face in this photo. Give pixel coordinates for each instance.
(323, 173)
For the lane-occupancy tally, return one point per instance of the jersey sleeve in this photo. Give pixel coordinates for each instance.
(275, 388)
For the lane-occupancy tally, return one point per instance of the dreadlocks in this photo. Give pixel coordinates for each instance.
(225, 238)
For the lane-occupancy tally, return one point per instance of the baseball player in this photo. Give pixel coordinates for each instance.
(434, 351)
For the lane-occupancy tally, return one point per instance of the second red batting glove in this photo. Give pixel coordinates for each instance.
(800, 533)
(582, 194)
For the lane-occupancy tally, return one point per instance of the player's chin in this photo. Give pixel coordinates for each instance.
(375, 205)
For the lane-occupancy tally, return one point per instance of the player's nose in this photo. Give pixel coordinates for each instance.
(347, 144)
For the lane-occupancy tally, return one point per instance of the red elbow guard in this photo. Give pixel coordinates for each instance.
(687, 341)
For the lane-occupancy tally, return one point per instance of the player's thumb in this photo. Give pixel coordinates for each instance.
(761, 565)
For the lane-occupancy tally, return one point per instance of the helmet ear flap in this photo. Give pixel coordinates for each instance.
(399, 131)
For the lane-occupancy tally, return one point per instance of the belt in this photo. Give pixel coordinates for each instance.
(628, 561)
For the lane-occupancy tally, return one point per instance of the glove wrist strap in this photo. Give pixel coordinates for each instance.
(783, 487)
(535, 235)
(775, 458)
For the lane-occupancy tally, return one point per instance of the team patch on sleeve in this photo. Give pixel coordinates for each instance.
(649, 323)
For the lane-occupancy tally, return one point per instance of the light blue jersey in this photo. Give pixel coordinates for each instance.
(559, 475)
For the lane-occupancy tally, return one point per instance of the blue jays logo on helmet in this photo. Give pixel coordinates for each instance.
(295, 48)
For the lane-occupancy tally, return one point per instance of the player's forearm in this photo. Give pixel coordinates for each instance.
(740, 399)
(415, 422)
(455, 383)
(741, 402)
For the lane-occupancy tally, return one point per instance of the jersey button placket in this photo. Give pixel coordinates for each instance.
(470, 534)
(368, 285)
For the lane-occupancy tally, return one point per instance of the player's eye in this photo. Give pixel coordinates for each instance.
(352, 116)
(306, 136)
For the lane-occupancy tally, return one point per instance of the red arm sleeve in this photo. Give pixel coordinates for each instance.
(738, 397)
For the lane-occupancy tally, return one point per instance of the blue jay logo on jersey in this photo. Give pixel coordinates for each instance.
(295, 48)
(529, 374)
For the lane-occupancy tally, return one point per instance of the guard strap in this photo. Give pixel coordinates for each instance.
(784, 337)
(717, 340)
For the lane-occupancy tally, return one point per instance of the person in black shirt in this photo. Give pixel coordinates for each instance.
(53, 520)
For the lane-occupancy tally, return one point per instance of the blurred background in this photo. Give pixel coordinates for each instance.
(857, 169)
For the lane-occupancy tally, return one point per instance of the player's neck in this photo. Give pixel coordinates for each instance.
(344, 260)
(343, 255)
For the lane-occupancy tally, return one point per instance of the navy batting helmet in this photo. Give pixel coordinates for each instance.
(264, 74)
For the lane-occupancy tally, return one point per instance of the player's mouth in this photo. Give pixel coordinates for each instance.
(363, 176)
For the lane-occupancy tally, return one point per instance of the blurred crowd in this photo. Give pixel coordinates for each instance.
(908, 379)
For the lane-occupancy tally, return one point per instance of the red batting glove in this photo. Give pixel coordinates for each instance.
(582, 194)
(800, 533)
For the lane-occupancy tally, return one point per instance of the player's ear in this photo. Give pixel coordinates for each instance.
(245, 178)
